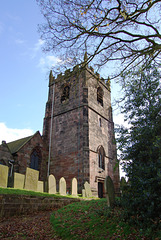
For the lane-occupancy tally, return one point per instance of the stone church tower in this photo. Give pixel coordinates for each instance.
(79, 131)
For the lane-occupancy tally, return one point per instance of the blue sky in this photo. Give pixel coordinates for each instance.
(24, 70)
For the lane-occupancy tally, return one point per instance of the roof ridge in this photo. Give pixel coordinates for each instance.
(19, 139)
(16, 145)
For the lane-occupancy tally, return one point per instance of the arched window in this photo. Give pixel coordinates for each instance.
(101, 158)
(35, 159)
(65, 94)
(100, 95)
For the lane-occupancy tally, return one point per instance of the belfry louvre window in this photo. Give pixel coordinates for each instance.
(100, 95)
(65, 94)
(101, 158)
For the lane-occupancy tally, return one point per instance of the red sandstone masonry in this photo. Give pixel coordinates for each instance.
(76, 131)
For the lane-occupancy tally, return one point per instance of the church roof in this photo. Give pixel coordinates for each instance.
(16, 145)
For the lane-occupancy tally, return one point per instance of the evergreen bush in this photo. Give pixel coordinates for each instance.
(140, 146)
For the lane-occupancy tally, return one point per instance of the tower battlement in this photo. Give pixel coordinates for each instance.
(77, 70)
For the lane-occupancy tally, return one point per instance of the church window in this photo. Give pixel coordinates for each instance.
(65, 94)
(100, 95)
(101, 158)
(35, 159)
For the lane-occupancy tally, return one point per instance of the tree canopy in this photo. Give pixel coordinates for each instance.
(127, 31)
(140, 144)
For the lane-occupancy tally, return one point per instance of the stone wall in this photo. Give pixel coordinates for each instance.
(101, 133)
(67, 143)
(11, 205)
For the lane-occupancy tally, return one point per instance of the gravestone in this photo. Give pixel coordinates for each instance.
(88, 192)
(83, 193)
(110, 192)
(62, 186)
(51, 184)
(123, 185)
(40, 186)
(74, 187)
(3, 176)
(19, 180)
(31, 179)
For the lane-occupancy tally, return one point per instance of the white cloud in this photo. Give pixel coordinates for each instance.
(119, 120)
(42, 61)
(53, 59)
(36, 48)
(19, 41)
(38, 45)
(47, 62)
(11, 134)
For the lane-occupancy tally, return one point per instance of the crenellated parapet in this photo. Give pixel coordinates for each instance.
(75, 72)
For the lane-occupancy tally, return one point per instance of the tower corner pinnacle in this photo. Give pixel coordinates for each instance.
(51, 78)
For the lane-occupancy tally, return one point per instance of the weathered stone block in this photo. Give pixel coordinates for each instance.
(51, 184)
(19, 180)
(31, 179)
(74, 187)
(110, 192)
(83, 193)
(88, 191)
(62, 186)
(3, 176)
(40, 186)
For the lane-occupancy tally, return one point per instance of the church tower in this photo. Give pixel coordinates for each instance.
(79, 131)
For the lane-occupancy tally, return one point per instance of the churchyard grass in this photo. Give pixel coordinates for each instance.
(30, 193)
(92, 220)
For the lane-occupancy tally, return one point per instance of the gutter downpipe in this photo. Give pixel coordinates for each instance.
(11, 163)
(51, 128)
(79, 116)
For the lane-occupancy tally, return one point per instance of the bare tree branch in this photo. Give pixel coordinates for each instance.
(124, 31)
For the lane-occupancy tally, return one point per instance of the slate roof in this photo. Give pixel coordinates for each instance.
(16, 145)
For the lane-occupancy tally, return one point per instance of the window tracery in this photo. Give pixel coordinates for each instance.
(35, 159)
(101, 158)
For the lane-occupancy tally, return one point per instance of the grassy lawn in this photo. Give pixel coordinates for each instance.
(30, 193)
(88, 219)
(92, 220)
